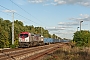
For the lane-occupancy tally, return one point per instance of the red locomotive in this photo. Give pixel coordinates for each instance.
(27, 39)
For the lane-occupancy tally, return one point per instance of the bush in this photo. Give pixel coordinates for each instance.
(12, 46)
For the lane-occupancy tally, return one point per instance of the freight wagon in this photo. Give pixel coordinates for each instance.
(51, 40)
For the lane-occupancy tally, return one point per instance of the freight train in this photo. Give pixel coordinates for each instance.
(27, 39)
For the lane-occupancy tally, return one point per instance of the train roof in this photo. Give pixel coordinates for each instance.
(24, 33)
(31, 34)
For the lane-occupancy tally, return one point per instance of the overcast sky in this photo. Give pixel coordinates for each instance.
(60, 17)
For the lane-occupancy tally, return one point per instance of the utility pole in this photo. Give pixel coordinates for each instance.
(13, 28)
(41, 31)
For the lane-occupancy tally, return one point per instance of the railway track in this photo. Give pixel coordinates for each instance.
(33, 53)
(42, 54)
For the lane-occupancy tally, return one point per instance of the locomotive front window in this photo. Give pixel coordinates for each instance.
(24, 35)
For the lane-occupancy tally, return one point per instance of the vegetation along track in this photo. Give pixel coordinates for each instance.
(28, 53)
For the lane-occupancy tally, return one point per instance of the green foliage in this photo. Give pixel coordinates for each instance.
(6, 32)
(12, 46)
(81, 38)
(1, 44)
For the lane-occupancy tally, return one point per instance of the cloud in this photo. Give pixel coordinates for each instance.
(81, 2)
(65, 27)
(36, 1)
(46, 4)
(58, 28)
(64, 33)
(83, 17)
(61, 2)
(68, 23)
(54, 28)
(9, 11)
(85, 3)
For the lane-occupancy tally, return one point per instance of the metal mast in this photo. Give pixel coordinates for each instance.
(41, 31)
(80, 25)
(13, 28)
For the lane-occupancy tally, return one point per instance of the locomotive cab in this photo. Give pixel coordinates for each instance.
(24, 39)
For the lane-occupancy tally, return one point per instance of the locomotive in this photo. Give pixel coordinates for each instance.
(27, 39)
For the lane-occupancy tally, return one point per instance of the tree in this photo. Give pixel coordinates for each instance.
(81, 38)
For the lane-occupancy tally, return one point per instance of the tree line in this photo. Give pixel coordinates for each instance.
(6, 32)
(82, 38)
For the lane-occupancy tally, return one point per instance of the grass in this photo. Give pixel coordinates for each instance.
(76, 53)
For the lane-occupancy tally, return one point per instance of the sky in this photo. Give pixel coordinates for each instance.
(60, 17)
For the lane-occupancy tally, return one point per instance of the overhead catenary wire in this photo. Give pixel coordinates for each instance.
(20, 15)
(24, 10)
(10, 15)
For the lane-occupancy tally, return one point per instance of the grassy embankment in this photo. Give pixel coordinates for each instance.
(68, 53)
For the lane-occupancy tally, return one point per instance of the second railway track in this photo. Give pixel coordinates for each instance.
(28, 53)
